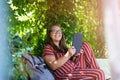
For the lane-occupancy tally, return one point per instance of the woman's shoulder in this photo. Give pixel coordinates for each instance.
(48, 50)
(48, 46)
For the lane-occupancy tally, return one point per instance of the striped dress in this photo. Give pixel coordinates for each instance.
(83, 65)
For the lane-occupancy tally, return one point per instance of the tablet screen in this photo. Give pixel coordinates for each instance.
(77, 41)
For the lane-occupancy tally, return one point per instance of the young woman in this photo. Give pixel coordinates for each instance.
(64, 61)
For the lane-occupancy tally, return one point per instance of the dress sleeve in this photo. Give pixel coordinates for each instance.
(48, 50)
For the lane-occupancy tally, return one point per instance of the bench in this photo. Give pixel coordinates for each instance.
(104, 65)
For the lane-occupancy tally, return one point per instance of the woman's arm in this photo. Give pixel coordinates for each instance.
(54, 63)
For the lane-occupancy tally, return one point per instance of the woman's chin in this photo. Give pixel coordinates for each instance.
(57, 40)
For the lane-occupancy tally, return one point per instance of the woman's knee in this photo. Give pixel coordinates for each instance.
(86, 45)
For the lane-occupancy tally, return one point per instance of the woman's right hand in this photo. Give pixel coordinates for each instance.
(72, 51)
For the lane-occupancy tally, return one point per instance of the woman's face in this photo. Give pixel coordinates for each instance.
(56, 33)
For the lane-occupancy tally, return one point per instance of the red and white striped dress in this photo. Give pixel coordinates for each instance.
(83, 65)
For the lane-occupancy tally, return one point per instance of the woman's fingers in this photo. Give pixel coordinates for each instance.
(73, 47)
(72, 50)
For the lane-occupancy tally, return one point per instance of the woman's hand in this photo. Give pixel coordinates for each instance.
(72, 51)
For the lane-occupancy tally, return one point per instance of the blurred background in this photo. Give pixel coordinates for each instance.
(29, 19)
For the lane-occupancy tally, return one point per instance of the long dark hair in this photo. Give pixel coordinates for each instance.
(62, 44)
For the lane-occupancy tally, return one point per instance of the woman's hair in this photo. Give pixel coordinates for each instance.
(62, 44)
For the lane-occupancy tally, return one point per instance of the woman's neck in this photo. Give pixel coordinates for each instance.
(57, 44)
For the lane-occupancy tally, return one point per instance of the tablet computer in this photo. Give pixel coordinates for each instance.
(77, 41)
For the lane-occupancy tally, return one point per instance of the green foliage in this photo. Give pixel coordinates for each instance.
(19, 69)
(33, 17)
